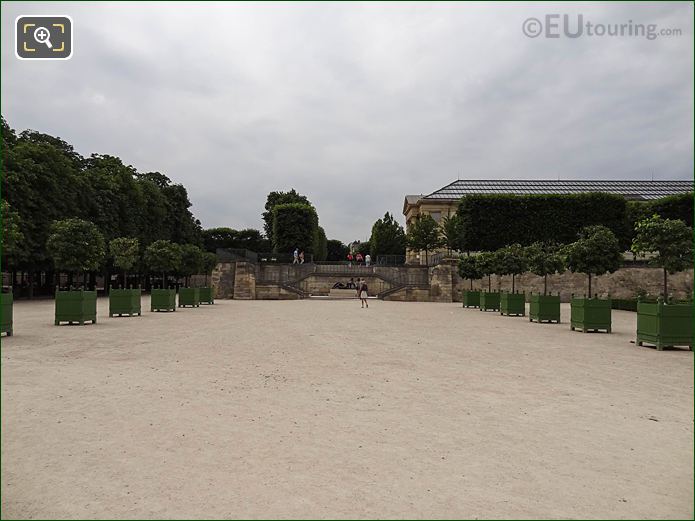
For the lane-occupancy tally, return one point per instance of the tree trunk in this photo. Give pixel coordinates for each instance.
(512, 283)
(471, 284)
(427, 261)
(31, 283)
(665, 285)
(589, 285)
(163, 281)
(489, 284)
(206, 280)
(545, 284)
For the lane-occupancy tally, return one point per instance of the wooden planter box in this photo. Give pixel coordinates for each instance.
(489, 301)
(471, 299)
(665, 325)
(189, 297)
(6, 300)
(163, 300)
(590, 314)
(513, 304)
(544, 308)
(125, 302)
(206, 296)
(78, 306)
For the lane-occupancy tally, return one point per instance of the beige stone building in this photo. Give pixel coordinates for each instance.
(444, 202)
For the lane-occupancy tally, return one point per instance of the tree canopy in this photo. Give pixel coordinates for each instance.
(597, 251)
(75, 245)
(424, 234)
(388, 237)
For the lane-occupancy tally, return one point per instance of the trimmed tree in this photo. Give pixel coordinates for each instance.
(596, 252)
(124, 251)
(163, 257)
(511, 260)
(191, 261)
(424, 234)
(337, 251)
(295, 225)
(671, 240)
(487, 265)
(545, 259)
(76, 246)
(469, 268)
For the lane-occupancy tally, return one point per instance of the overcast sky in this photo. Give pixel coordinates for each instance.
(356, 105)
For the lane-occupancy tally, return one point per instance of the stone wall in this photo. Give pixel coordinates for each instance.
(222, 280)
(624, 283)
(442, 284)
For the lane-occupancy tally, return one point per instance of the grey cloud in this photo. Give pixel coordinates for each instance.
(358, 104)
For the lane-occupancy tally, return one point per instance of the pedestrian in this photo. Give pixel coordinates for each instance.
(349, 258)
(358, 285)
(351, 284)
(295, 256)
(363, 294)
(301, 257)
(358, 258)
(367, 259)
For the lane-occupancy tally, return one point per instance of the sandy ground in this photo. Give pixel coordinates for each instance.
(321, 409)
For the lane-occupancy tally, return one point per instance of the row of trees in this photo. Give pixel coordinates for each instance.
(77, 246)
(45, 180)
(597, 251)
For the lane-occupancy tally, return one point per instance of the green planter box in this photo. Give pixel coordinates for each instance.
(125, 302)
(471, 299)
(163, 300)
(590, 314)
(665, 324)
(77, 306)
(489, 301)
(189, 297)
(6, 300)
(513, 304)
(206, 296)
(544, 308)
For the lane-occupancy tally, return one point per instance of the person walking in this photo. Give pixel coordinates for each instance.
(363, 294)
(349, 258)
(301, 257)
(295, 256)
(358, 258)
(367, 259)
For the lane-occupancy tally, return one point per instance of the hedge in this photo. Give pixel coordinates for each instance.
(295, 225)
(490, 222)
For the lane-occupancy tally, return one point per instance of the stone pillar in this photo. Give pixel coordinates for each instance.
(442, 281)
(244, 281)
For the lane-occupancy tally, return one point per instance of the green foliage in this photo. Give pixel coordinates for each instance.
(597, 251)
(388, 237)
(469, 268)
(424, 234)
(364, 248)
(671, 240)
(489, 222)
(45, 180)
(545, 259)
(274, 199)
(163, 257)
(321, 250)
(209, 262)
(191, 260)
(671, 207)
(12, 235)
(75, 245)
(452, 232)
(295, 225)
(487, 263)
(337, 251)
(124, 251)
(511, 260)
(248, 239)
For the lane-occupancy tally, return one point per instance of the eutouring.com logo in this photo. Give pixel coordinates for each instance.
(574, 26)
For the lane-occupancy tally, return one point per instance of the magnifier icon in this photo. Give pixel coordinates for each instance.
(42, 35)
